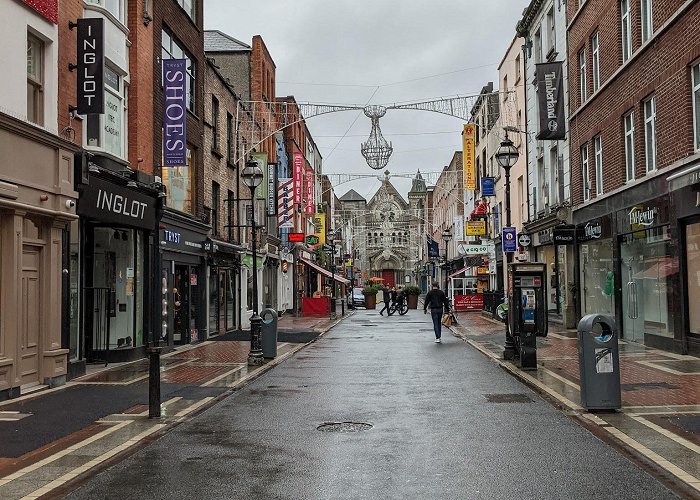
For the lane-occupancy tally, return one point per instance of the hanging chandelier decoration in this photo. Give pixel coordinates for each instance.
(376, 149)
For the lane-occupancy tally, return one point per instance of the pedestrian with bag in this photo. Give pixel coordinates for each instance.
(437, 301)
(386, 298)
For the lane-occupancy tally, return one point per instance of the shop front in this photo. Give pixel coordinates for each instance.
(183, 264)
(467, 287)
(37, 204)
(118, 255)
(223, 289)
(596, 266)
(320, 280)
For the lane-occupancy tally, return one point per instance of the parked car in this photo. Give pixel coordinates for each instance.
(357, 298)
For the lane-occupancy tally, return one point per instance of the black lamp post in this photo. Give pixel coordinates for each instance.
(252, 177)
(506, 157)
(447, 236)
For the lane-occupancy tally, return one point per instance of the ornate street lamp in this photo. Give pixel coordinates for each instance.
(446, 236)
(252, 177)
(506, 157)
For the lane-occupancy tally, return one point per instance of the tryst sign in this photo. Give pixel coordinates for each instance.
(91, 50)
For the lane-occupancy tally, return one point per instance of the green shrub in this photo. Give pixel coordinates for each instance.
(370, 290)
(412, 290)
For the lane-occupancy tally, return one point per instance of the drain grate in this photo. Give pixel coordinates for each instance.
(508, 398)
(344, 427)
(648, 385)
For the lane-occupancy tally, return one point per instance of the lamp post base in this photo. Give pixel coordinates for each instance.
(255, 356)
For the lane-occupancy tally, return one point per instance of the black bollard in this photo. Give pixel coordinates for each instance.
(153, 382)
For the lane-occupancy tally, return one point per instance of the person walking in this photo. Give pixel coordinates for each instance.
(386, 299)
(437, 301)
(392, 301)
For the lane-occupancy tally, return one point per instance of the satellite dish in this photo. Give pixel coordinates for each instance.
(563, 214)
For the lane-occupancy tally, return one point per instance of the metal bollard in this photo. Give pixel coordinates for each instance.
(269, 333)
(153, 382)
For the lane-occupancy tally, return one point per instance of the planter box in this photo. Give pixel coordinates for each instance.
(412, 301)
(371, 301)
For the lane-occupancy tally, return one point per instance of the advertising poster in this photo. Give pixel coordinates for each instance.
(285, 204)
(298, 175)
(468, 139)
(174, 113)
(309, 191)
(550, 100)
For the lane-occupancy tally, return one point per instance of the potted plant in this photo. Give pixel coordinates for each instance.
(370, 293)
(412, 293)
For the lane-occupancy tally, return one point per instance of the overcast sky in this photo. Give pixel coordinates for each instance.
(379, 52)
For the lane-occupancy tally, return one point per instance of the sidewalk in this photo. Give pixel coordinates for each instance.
(659, 423)
(50, 437)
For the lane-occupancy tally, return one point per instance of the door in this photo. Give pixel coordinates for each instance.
(223, 289)
(30, 304)
(181, 306)
(649, 267)
(388, 275)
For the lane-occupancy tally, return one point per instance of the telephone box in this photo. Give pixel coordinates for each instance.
(527, 312)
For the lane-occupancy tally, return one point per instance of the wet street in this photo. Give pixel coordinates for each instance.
(446, 422)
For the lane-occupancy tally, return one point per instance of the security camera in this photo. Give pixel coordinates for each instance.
(70, 204)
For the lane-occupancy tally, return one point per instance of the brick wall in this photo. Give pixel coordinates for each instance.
(660, 68)
(71, 10)
(190, 35)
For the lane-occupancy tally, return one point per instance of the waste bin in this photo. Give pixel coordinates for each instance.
(269, 333)
(599, 363)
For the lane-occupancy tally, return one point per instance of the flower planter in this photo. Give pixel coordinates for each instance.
(412, 301)
(371, 301)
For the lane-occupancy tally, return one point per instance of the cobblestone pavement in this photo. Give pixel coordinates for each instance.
(660, 417)
(51, 437)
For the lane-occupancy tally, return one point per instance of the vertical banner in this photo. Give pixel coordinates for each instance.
(459, 228)
(91, 52)
(550, 101)
(309, 191)
(468, 138)
(174, 113)
(271, 189)
(285, 203)
(433, 248)
(298, 176)
(320, 227)
(261, 160)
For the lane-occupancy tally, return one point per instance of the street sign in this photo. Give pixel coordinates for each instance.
(311, 239)
(509, 238)
(327, 247)
(524, 240)
(472, 249)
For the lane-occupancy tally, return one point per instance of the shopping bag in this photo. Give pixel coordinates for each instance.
(447, 319)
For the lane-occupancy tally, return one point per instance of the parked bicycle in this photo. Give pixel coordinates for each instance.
(401, 307)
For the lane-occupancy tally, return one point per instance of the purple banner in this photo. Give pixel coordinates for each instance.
(174, 112)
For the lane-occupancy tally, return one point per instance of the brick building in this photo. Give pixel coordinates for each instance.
(635, 155)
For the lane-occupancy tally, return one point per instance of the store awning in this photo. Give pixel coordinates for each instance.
(337, 277)
(459, 272)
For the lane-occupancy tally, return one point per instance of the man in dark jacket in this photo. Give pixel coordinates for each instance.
(437, 302)
(385, 299)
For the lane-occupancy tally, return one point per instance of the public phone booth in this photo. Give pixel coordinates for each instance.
(527, 310)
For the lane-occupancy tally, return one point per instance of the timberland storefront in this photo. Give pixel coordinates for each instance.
(118, 255)
(37, 201)
(636, 261)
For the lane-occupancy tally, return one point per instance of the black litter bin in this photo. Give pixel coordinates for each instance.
(599, 363)
(269, 333)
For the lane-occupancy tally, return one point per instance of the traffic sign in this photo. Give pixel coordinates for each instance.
(509, 238)
(311, 239)
(524, 240)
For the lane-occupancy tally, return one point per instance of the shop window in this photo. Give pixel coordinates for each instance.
(213, 301)
(692, 249)
(35, 80)
(597, 277)
(179, 182)
(107, 131)
(74, 284)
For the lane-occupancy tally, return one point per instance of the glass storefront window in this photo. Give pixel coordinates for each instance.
(597, 277)
(692, 252)
(74, 300)
(179, 182)
(649, 265)
(229, 300)
(213, 301)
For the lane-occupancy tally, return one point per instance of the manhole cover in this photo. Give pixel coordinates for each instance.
(344, 427)
(508, 398)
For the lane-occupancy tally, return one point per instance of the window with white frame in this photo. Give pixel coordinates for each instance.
(696, 105)
(582, 75)
(626, 27)
(114, 7)
(189, 6)
(551, 31)
(585, 173)
(647, 19)
(629, 146)
(538, 46)
(595, 60)
(171, 49)
(35, 80)
(650, 133)
(108, 131)
(598, 157)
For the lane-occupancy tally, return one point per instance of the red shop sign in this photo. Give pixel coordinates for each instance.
(469, 302)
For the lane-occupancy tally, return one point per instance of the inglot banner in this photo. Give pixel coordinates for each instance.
(550, 100)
